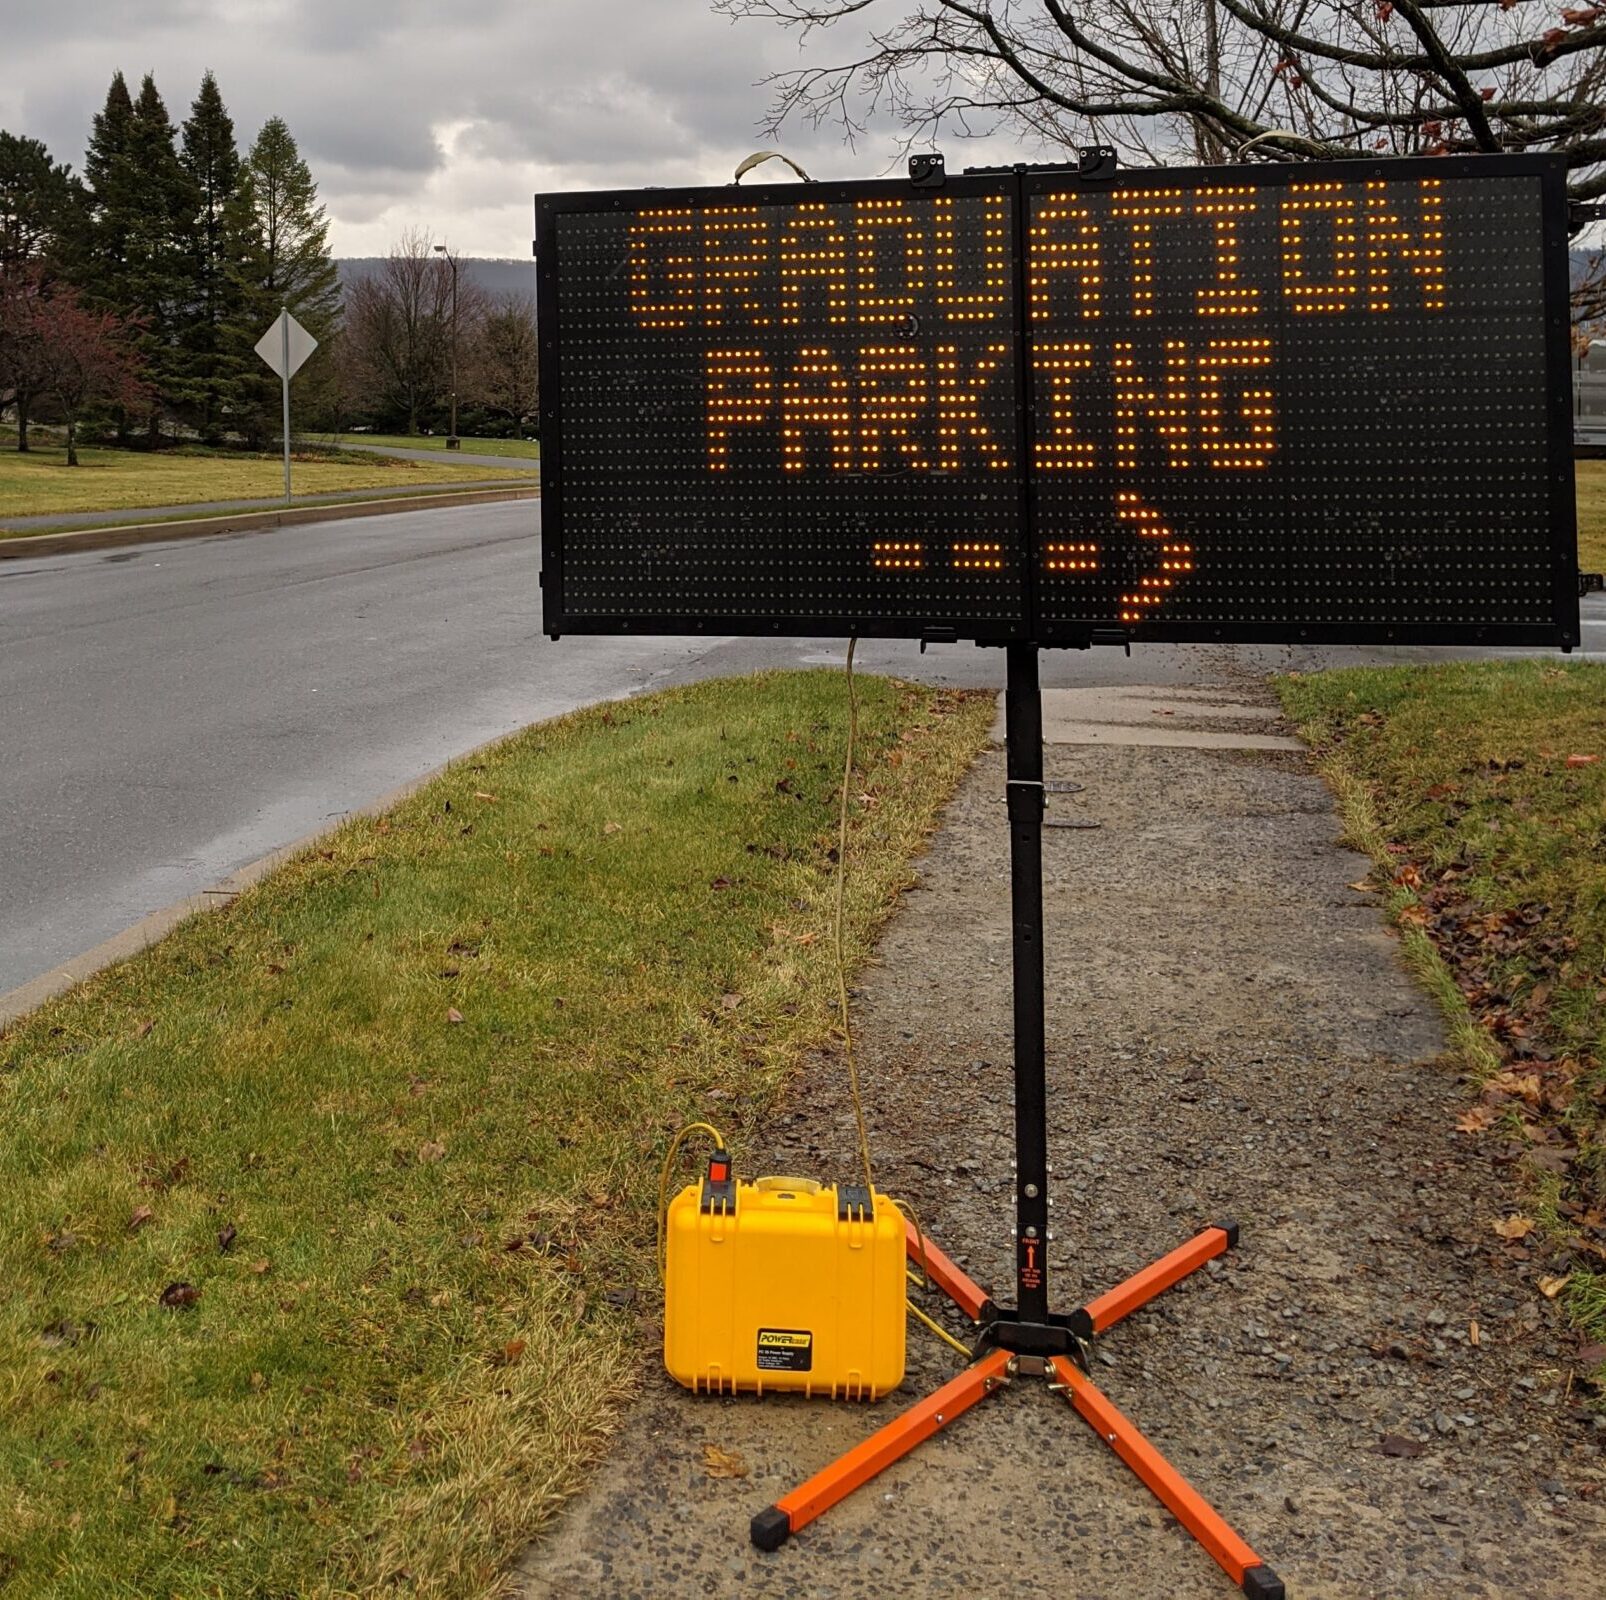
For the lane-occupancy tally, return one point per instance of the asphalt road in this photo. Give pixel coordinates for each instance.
(171, 712)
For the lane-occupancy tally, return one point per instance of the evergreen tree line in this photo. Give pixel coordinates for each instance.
(180, 250)
(137, 292)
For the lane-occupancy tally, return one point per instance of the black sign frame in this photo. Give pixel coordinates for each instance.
(1021, 185)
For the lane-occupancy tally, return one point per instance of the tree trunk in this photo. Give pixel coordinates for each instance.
(22, 423)
(72, 440)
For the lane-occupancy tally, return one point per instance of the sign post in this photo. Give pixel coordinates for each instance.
(285, 347)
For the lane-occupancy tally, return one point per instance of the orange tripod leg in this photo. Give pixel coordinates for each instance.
(774, 1525)
(1142, 1287)
(970, 1297)
(1174, 1492)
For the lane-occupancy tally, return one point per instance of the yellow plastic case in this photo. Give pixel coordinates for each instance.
(784, 1284)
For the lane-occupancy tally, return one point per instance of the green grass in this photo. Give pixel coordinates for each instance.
(41, 483)
(408, 1353)
(1491, 851)
(527, 449)
(1591, 488)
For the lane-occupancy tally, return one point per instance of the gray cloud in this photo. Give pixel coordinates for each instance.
(440, 112)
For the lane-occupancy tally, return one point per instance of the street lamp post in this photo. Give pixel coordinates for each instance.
(452, 441)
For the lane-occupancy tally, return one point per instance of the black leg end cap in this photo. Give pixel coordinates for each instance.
(772, 1528)
(1231, 1231)
(1261, 1583)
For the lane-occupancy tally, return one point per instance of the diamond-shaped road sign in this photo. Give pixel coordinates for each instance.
(272, 346)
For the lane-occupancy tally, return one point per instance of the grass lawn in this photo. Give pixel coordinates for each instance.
(1591, 483)
(1479, 789)
(529, 449)
(41, 483)
(393, 1118)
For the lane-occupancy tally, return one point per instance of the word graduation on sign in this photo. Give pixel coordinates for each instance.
(863, 400)
(1297, 402)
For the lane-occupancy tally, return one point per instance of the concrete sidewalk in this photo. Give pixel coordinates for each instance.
(1230, 1034)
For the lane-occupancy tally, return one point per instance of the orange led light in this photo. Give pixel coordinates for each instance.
(878, 301)
(1074, 250)
(1143, 209)
(1152, 589)
(1062, 450)
(812, 247)
(984, 304)
(736, 257)
(1228, 295)
(1255, 405)
(1388, 239)
(1165, 404)
(959, 407)
(893, 555)
(887, 413)
(729, 407)
(816, 395)
(1337, 201)
(973, 557)
(663, 268)
(1071, 557)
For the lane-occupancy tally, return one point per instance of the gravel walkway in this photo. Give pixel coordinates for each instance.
(1230, 1034)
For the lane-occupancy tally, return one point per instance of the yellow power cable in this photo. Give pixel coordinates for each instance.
(937, 1328)
(847, 1043)
(663, 1183)
(841, 897)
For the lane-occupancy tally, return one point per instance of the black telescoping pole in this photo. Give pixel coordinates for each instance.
(1023, 724)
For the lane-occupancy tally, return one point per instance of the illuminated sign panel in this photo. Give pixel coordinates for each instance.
(1233, 403)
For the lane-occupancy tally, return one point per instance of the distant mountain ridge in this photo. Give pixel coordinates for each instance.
(495, 275)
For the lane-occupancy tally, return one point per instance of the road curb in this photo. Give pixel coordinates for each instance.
(158, 924)
(87, 539)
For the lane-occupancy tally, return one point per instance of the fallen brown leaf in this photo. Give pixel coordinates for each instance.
(1582, 761)
(610, 827)
(453, 1014)
(141, 1030)
(718, 1463)
(180, 1296)
(1474, 1335)
(1362, 886)
(1515, 1227)
(226, 1237)
(730, 1001)
(481, 794)
(431, 1150)
(511, 1351)
(1551, 1287)
(141, 1215)
(1476, 1119)
(259, 1266)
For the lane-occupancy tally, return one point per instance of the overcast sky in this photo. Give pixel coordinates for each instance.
(443, 114)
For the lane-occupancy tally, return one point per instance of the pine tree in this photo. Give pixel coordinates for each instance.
(161, 280)
(142, 210)
(289, 264)
(37, 199)
(213, 365)
(40, 209)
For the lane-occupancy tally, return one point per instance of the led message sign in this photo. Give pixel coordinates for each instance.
(1228, 403)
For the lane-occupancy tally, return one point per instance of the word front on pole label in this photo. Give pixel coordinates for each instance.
(1233, 403)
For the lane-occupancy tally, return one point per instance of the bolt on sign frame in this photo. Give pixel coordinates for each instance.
(1277, 403)
(1302, 404)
